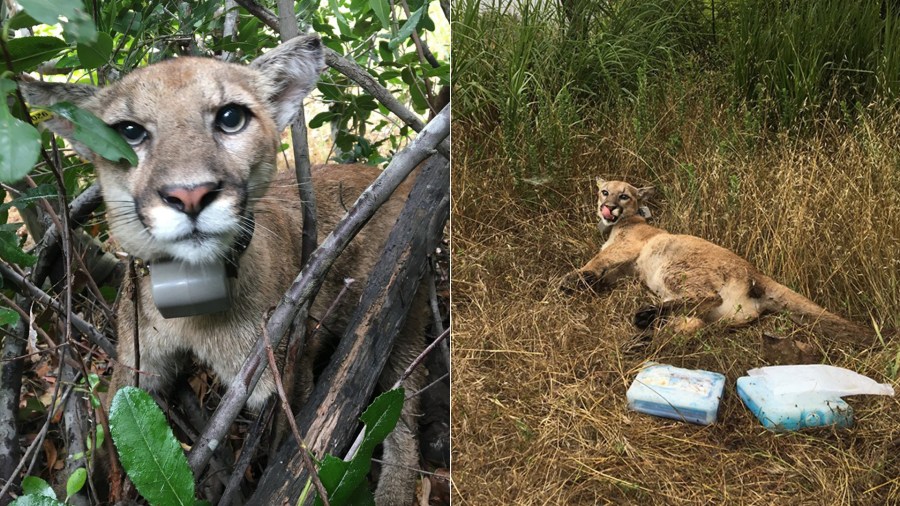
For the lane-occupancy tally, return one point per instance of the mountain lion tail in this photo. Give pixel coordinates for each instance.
(806, 312)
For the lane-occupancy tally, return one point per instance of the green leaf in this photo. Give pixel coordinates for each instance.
(96, 54)
(80, 29)
(20, 146)
(407, 29)
(148, 450)
(29, 52)
(416, 85)
(75, 482)
(95, 134)
(29, 197)
(49, 11)
(11, 251)
(341, 479)
(128, 22)
(32, 485)
(22, 20)
(35, 500)
(79, 26)
(10, 317)
(321, 118)
(382, 9)
(20, 143)
(343, 26)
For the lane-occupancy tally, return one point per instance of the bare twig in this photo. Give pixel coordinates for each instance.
(136, 335)
(32, 292)
(307, 283)
(229, 27)
(286, 407)
(288, 29)
(254, 436)
(418, 361)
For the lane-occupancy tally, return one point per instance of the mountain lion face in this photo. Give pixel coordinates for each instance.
(618, 200)
(206, 136)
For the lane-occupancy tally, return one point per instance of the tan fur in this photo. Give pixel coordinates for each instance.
(699, 281)
(177, 102)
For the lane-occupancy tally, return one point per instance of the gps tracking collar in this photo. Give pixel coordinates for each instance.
(182, 289)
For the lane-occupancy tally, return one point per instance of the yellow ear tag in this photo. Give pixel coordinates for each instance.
(40, 115)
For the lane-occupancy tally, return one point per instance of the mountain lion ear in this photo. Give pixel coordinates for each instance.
(600, 182)
(40, 94)
(290, 72)
(646, 192)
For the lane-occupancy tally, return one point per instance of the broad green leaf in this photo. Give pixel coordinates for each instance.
(420, 103)
(148, 450)
(382, 9)
(29, 52)
(80, 29)
(10, 317)
(32, 485)
(11, 251)
(95, 134)
(341, 479)
(75, 482)
(22, 20)
(407, 29)
(96, 54)
(49, 11)
(321, 118)
(36, 500)
(79, 26)
(20, 145)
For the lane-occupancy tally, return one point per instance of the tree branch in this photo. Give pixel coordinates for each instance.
(346, 385)
(288, 29)
(307, 283)
(32, 292)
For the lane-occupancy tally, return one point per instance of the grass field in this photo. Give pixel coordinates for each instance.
(808, 190)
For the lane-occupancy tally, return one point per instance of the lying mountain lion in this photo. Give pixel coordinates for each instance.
(697, 281)
(207, 134)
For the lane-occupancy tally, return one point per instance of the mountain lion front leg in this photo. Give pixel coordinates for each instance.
(602, 271)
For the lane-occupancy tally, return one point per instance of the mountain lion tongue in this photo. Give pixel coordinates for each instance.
(607, 214)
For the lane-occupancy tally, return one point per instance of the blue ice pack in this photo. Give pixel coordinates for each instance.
(787, 412)
(682, 394)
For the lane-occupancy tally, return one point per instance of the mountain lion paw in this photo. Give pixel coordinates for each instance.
(645, 317)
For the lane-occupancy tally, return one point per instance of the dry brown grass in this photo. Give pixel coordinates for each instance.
(539, 379)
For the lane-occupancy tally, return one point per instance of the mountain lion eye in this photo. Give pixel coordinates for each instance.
(604, 193)
(623, 197)
(133, 133)
(231, 119)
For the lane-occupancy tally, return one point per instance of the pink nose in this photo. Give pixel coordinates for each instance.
(190, 200)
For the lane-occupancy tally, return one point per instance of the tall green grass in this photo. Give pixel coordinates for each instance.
(800, 60)
(538, 76)
(525, 75)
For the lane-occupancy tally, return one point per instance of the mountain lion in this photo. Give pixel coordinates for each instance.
(205, 190)
(697, 281)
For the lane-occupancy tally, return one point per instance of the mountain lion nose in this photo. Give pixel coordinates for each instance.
(190, 200)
